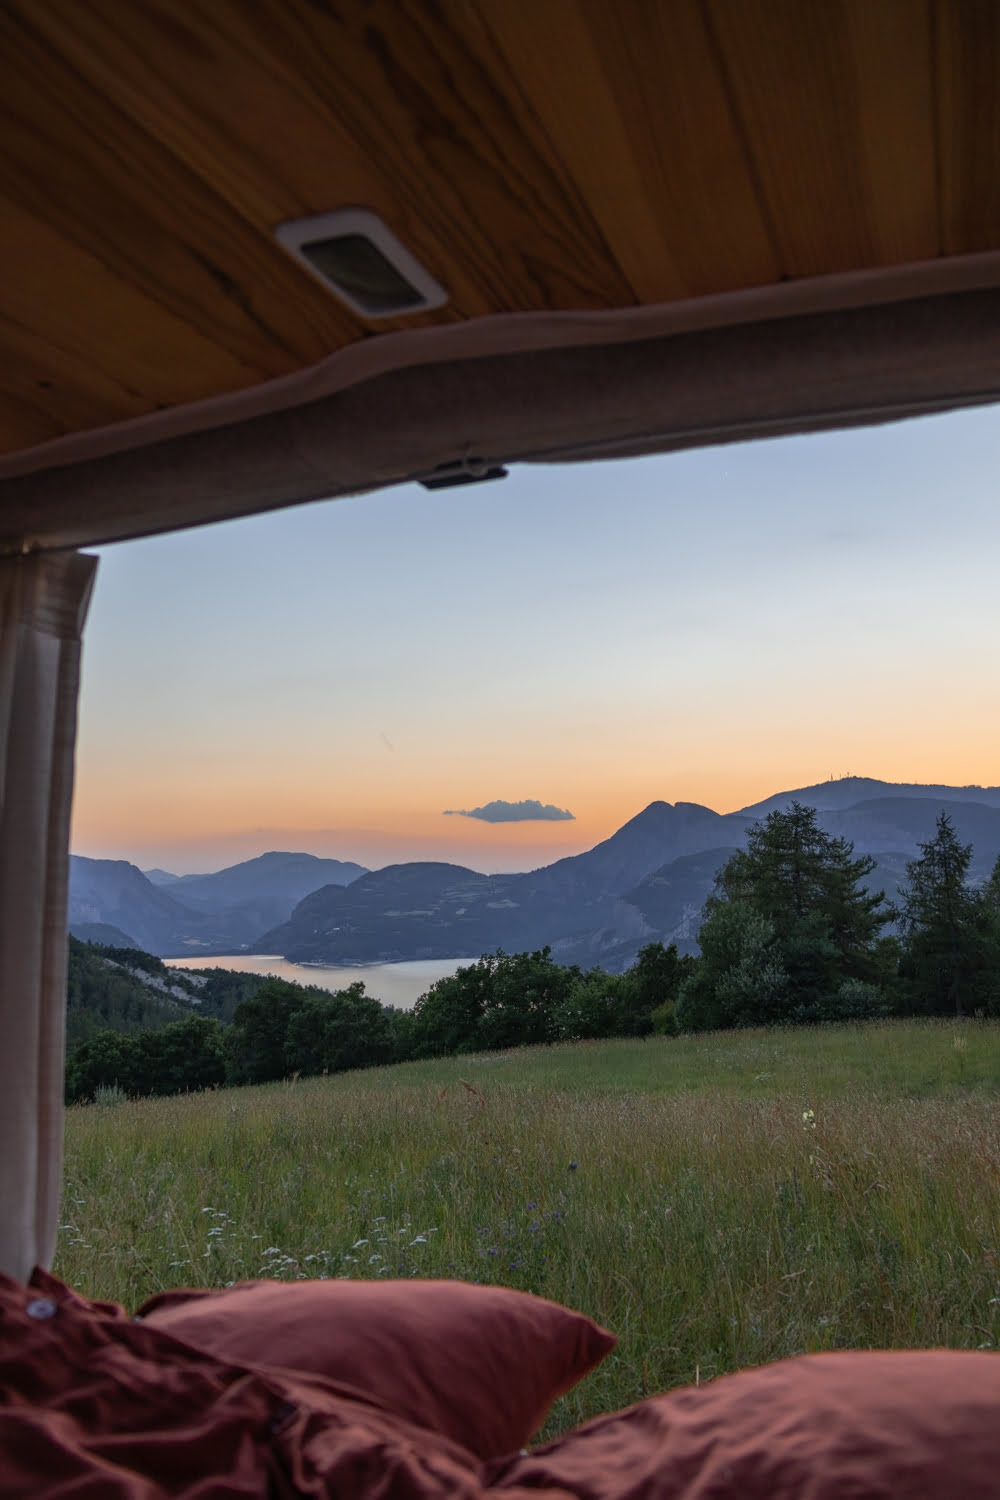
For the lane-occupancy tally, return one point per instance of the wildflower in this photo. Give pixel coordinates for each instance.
(572, 1166)
(808, 1119)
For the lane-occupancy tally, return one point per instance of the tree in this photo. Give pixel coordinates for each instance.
(107, 1060)
(171, 1060)
(335, 1032)
(597, 1005)
(446, 1018)
(789, 923)
(988, 986)
(657, 976)
(502, 1000)
(186, 1055)
(943, 924)
(521, 999)
(255, 1039)
(740, 979)
(809, 886)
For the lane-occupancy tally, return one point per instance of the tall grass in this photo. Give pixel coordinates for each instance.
(717, 1201)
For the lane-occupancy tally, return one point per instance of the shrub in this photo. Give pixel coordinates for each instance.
(853, 1001)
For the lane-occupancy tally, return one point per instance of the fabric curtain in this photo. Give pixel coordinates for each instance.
(43, 604)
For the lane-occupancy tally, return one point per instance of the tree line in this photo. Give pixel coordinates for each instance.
(792, 934)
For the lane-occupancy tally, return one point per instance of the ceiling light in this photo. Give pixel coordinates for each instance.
(358, 257)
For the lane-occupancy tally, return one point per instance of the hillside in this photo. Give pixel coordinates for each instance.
(416, 910)
(116, 990)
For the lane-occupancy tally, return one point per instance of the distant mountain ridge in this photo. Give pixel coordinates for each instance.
(647, 882)
(466, 914)
(179, 915)
(846, 791)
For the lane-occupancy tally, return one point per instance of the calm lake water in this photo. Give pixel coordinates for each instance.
(394, 984)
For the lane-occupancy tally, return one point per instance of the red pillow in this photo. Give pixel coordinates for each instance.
(480, 1364)
(924, 1425)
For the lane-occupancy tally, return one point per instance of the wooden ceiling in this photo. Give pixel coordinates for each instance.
(533, 154)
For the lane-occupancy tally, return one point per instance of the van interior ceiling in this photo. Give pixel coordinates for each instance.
(259, 255)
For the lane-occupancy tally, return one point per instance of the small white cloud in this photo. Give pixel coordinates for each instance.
(528, 811)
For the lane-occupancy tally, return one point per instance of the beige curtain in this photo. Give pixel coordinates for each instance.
(43, 604)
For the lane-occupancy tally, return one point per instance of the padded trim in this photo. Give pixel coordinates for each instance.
(795, 373)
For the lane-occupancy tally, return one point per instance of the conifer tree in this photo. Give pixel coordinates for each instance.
(808, 885)
(942, 921)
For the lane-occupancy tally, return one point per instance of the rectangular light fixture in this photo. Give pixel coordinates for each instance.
(359, 258)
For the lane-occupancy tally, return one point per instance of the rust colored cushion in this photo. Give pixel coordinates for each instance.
(480, 1364)
(921, 1425)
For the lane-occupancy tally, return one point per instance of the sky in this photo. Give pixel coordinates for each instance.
(711, 627)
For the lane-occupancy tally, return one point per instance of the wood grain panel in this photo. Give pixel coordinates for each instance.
(841, 191)
(233, 115)
(891, 48)
(27, 420)
(967, 38)
(668, 180)
(422, 92)
(286, 111)
(67, 391)
(102, 183)
(554, 55)
(179, 285)
(130, 349)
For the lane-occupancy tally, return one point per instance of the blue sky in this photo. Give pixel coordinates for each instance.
(710, 626)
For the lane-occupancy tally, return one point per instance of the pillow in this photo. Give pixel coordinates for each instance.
(924, 1425)
(479, 1364)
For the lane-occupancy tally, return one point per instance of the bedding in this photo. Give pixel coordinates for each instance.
(913, 1425)
(97, 1406)
(480, 1364)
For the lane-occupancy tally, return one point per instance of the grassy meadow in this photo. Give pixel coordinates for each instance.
(717, 1200)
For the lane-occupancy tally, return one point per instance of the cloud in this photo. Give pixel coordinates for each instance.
(513, 812)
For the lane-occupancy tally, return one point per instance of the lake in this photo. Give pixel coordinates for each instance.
(394, 984)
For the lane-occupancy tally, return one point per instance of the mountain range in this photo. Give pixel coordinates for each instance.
(172, 916)
(648, 881)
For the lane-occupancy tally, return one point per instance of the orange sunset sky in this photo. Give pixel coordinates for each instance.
(708, 627)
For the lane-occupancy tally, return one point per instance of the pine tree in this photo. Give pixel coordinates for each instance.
(808, 885)
(988, 985)
(943, 954)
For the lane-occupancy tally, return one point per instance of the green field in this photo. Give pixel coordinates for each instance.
(716, 1200)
